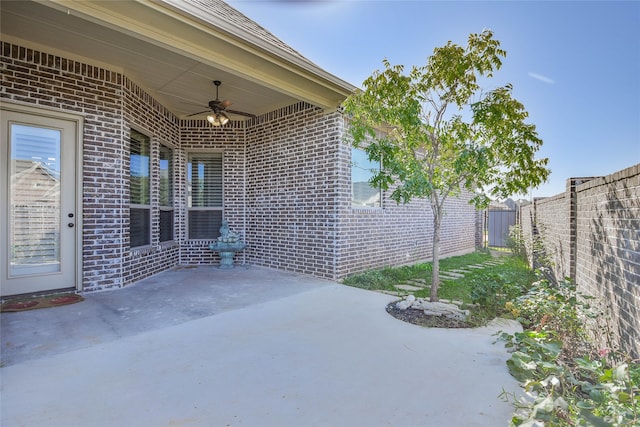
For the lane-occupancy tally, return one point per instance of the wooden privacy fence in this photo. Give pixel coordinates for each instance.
(498, 223)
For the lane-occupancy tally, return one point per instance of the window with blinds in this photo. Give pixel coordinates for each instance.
(166, 193)
(34, 198)
(139, 186)
(204, 195)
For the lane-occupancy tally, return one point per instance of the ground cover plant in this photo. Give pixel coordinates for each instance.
(569, 380)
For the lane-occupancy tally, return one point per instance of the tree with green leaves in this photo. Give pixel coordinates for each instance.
(436, 133)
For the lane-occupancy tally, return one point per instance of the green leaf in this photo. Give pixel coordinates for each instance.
(585, 404)
(594, 420)
(543, 409)
(624, 397)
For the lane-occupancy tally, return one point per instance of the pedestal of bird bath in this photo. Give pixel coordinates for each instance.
(227, 251)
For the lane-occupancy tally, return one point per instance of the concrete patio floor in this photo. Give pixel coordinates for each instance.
(245, 347)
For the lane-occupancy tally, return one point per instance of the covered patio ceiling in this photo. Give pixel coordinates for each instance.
(174, 49)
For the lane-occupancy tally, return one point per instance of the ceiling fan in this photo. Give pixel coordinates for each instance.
(219, 116)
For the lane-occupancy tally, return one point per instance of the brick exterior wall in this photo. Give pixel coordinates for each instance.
(398, 234)
(286, 178)
(593, 235)
(145, 114)
(39, 79)
(401, 234)
(291, 192)
(199, 135)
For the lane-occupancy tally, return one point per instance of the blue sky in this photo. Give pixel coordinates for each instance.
(574, 65)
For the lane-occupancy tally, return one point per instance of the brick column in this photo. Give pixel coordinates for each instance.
(572, 184)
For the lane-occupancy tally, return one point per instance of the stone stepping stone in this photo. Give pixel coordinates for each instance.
(459, 271)
(477, 266)
(453, 274)
(409, 288)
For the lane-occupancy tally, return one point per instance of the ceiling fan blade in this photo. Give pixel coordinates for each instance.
(195, 114)
(240, 113)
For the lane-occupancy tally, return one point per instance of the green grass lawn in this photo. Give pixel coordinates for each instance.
(489, 288)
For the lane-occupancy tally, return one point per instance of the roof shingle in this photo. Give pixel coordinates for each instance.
(222, 10)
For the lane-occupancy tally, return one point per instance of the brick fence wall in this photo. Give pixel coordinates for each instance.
(553, 226)
(592, 234)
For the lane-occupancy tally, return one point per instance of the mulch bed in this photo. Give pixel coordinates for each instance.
(417, 317)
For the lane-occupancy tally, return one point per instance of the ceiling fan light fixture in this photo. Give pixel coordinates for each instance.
(218, 119)
(218, 116)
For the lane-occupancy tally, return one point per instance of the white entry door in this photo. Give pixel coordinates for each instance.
(38, 215)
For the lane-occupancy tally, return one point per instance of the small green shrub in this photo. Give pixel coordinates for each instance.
(558, 309)
(516, 242)
(370, 280)
(493, 288)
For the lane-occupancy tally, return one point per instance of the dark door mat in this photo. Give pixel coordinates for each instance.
(34, 303)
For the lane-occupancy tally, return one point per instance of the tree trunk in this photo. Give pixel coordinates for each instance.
(435, 260)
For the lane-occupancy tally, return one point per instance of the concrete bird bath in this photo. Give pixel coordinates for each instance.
(227, 245)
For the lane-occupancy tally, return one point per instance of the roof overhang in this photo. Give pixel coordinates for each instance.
(174, 49)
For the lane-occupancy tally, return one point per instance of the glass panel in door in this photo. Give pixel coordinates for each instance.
(34, 200)
(38, 240)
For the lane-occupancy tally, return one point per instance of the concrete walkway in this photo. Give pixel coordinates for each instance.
(247, 347)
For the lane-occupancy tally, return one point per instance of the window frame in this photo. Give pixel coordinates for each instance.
(141, 206)
(379, 188)
(171, 180)
(188, 209)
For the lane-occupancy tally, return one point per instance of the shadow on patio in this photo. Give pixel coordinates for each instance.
(249, 346)
(166, 299)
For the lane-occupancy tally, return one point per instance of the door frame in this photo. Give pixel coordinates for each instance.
(78, 120)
